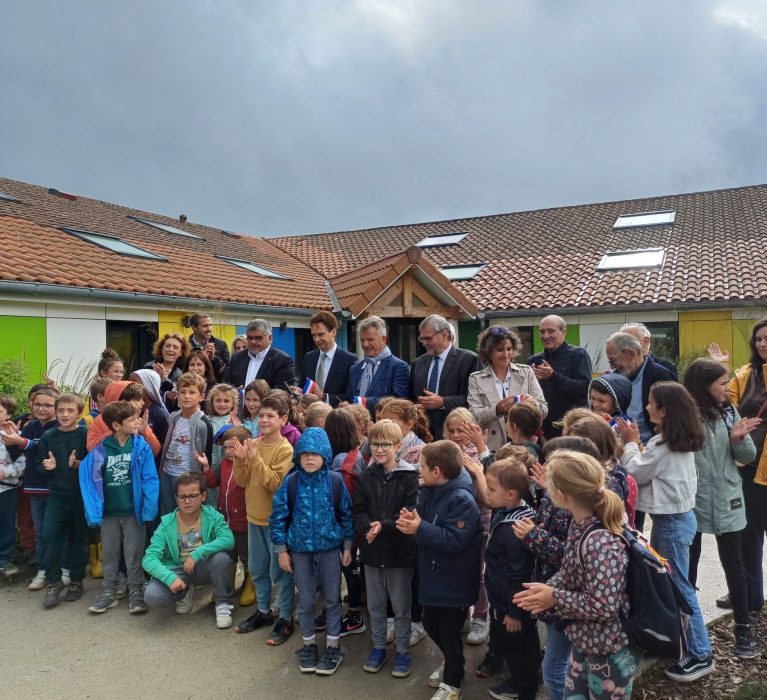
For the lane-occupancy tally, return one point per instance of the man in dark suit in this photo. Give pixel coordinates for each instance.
(643, 335)
(329, 365)
(261, 360)
(439, 378)
(379, 373)
(202, 339)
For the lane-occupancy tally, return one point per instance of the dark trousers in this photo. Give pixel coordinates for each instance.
(8, 501)
(755, 497)
(65, 523)
(354, 582)
(521, 651)
(729, 545)
(444, 626)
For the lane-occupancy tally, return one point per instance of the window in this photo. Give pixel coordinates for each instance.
(164, 227)
(665, 339)
(7, 197)
(651, 218)
(245, 265)
(626, 259)
(116, 245)
(446, 239)
(457, 273)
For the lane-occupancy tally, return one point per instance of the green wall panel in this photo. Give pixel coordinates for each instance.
(572, 336)
(24, 338)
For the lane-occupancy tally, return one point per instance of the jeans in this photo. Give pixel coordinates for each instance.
(37, 504)
(309, 569)
(8, 502)
(118, 535)
(444, 625)
(168, 493)
(215, 569)
(395, 582)
(265, 571)
(555, 658)
(672, 536)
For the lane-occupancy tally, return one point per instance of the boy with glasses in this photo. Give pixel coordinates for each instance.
(190, 548)
(383, 490)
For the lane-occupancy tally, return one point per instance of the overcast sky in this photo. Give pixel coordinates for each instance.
(288, 117)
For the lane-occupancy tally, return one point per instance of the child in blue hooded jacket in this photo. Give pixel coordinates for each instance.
(311, 521)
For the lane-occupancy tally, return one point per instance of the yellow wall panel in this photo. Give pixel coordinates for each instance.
(741, 332)
(170, 322)
(699, 328)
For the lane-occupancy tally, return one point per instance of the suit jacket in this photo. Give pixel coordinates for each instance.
(453, 384)
(336, 377)
(483, 398)
(392, 378)
(277, 367)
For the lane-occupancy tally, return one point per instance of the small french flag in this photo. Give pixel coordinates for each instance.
(361, 400)
(309, 386)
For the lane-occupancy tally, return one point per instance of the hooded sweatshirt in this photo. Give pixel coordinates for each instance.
(312, 526)
(617, 386)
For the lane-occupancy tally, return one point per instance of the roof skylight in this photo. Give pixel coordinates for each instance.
(245, 265)
(457, 273)
(8, 197)
(627, 259)
(164, 227)
(116, 245)
(445, 239)
(650, 218)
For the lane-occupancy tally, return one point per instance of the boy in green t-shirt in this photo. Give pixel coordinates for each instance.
(121, 489)
(58, 459)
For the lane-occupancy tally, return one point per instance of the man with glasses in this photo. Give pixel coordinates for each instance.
(261, 360)
(202, 339)
(439, 378)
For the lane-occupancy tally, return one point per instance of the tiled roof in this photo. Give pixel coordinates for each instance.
(548, 258)
(36, 250)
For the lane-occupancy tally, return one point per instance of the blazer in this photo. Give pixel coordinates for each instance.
(453, 384)
(483, 399)
(392, 378)
(277, 367)
(336, 377)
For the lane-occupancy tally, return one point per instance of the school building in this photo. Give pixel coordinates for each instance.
(78, 274)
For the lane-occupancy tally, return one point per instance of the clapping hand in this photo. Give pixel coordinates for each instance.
(373, 531)
(540, 476)
(629, 431)
(408, 521)
(74, 463)
(522, 527)
(203, 461)
(49, 464)
(536, 598)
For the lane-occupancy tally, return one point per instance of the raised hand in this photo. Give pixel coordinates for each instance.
(540, 476)
(716, 353)
(74, 463)
(629, 431)
(239, 449)
(743, 427)
(203, 460)
(235, 418)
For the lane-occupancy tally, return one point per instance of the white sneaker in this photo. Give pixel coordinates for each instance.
(436, 676)
(389, 630)
(417, 633)
(186, 604)
(466, 624)
(223, 615)
(65, 579)
(38, 582)
(479, 632)
(447, 692)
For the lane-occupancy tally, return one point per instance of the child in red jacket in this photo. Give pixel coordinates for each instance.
(231, 503)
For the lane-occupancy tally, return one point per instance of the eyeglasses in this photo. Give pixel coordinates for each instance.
(381, 445)
(188, 498)
(43, 405)
(429, 338)
(255, 338)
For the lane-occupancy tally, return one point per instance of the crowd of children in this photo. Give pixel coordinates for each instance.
(444, 538)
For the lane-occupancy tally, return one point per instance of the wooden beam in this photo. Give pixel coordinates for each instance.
(407, 295)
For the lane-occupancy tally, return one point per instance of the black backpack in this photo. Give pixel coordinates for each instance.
(654, 622)
(336, 484)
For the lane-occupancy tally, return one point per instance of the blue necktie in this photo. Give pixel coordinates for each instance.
(433, 376)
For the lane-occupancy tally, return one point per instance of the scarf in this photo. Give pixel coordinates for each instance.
(371, 365)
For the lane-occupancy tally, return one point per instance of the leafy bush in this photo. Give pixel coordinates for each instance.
(14, 380)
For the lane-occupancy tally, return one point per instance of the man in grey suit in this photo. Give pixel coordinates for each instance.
(439, 378)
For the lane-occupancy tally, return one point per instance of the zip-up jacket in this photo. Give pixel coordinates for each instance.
(231, 497)
(35, 484)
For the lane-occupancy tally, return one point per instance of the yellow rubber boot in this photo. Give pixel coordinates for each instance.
(248, 594)
(94, 559)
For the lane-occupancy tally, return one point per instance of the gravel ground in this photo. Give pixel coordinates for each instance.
(67, 652)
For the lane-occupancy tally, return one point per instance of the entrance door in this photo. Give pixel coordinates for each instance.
(403, 338)
(132, 341)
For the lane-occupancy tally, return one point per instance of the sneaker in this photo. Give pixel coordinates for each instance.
(320, 622)
(330, 661)
(65, 577)
(280, 633)
(256, 620)
(402, 664)
(185, 605)
(479, 632)
(353, 623)
(38, 582)
(436, 676)
(122, 586)
(136, 604)
(389, 630)
(375, 661)
(223, 615)
(690, 669)
(505, 691)
(466, 624)
(417, 633)
(744, 644)
(447, 692)
(9, 570)
(52, 593)
(74, 592)
(724, 602)
(307, 658)
(489, 666)
(103, 601)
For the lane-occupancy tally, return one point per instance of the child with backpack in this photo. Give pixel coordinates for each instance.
(308, 527)
(666, 475)
(719, 506)
(589, 590)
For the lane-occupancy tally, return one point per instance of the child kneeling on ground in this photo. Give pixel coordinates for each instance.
(190, 547)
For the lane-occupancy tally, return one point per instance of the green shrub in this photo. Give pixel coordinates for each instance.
(14, 380)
